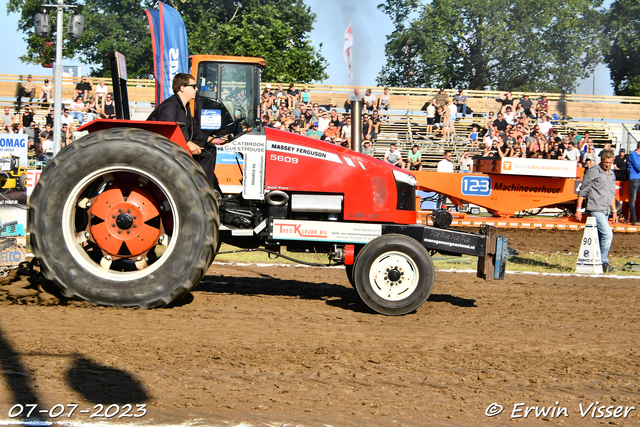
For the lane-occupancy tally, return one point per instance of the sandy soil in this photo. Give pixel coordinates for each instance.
(295, 346)
(14, 194)
(562, 241)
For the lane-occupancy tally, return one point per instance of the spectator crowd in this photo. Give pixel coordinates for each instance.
(293, 111)
(520, 127)
(87, 105)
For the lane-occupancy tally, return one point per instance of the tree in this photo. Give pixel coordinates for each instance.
(109, 26)
(622, 27)
(276, 30)
(491, 44)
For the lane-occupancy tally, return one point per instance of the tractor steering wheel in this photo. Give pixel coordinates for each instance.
(228, 129)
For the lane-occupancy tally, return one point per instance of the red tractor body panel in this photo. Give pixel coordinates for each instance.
(299, 164)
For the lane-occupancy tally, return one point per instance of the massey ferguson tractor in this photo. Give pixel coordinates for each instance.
(125, 217)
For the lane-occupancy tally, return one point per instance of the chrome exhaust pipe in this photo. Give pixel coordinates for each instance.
(356, 126)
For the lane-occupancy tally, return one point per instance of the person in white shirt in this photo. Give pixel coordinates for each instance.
(101, 92)
(45, 150)
(572, 153)
(345, 132)
(77, 108)
(66, 118)
(466, 162)
(445, 165)
(510, 116)
(544, 126)
(393, 156)
(369, 101)
(323, 121)
(47, 92)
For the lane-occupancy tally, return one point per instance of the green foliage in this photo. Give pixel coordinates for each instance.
(491, 44)
(623, 30)
(276, 30)
(109, 26)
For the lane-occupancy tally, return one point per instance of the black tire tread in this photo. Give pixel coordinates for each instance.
(40, 211)
(387, 243)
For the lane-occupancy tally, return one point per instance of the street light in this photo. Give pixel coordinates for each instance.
(75, 30)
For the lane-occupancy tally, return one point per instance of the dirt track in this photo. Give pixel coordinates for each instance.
(553, 241)
(294, 345)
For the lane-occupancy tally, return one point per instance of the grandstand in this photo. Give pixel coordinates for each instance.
(603, 116)
(407, 130)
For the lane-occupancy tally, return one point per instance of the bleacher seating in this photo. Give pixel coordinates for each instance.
(407, 130)
(407, 124)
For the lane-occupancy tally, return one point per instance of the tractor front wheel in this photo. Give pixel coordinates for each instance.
(394, 274)
(124, 217)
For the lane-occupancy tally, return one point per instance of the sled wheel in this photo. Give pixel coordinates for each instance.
(124, 217)
(394, 274)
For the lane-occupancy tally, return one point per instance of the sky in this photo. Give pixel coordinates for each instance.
(370, 29)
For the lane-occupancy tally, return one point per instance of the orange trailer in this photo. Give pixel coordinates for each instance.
(510, 186)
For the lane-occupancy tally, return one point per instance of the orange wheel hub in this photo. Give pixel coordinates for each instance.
(123, 230)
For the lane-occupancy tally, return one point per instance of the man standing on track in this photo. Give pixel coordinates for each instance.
(634, 182)
(599, 186)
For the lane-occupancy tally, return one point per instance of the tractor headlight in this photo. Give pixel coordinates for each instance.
(405, 190)
(405, 178)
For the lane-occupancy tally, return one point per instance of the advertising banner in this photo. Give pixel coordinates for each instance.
(170, 48)
(538, 167)
(13, 198)
(253, 149)
(330, 231)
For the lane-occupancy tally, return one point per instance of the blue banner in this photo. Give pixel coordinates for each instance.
(170, 48)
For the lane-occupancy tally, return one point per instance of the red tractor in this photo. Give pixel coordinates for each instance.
(124, 216)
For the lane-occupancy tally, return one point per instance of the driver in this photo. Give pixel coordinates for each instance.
(175, 109)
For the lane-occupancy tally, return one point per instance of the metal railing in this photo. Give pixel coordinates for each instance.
(629, 140)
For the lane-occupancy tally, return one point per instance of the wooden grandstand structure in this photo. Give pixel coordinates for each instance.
(406, 126)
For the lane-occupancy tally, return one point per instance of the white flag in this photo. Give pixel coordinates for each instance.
(348, 42)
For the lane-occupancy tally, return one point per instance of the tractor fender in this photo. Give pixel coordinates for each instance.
(170, 130)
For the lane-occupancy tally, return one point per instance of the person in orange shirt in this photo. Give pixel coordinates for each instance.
(331, 132)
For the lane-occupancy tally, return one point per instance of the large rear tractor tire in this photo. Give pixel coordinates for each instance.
(124, 217)
(394, 274)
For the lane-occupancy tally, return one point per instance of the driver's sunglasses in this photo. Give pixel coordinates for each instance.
(195, 85)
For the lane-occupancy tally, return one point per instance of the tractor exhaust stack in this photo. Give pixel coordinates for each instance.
(356, 126)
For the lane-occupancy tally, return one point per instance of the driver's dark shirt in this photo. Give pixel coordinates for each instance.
(172, 110)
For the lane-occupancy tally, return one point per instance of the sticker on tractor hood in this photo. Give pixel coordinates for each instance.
(253, 150)
(298, 150)
(347, 232)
